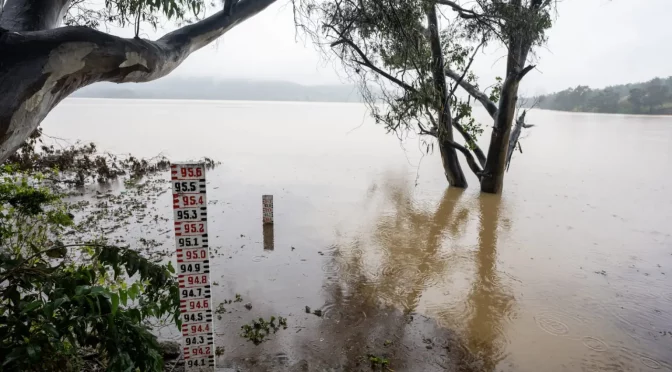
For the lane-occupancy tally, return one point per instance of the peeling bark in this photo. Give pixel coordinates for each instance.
(515, 135)
(40, 68)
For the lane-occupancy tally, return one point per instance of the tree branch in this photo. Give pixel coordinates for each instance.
(524, 71)
(365, 60)
(32, 15)
(228, 4)
(467, 154)
(467, 137)
(515, 135)
(464, 13)
(490, 106)
(43, 67)
(466, 69)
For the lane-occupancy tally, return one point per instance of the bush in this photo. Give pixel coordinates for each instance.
(67, 307)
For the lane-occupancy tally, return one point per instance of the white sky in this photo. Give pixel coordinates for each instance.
(593, 42)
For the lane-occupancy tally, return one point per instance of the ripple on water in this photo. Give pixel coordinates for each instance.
(391, 271)
(556, 323)
(668, 297)
(641, 315)
(595, 344)
(258, 258)
(281, 358)
(650, 362)
(331, 268)
(647, 360)
(638, 292)
(329, 311)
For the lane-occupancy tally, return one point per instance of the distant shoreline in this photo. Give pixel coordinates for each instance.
(208, 89)
(603, 113)
(72, 98)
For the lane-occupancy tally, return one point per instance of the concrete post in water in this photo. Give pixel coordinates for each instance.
(193, 265)
(268, 236)
(267, 208)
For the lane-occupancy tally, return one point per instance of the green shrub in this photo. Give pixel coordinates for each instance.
(66, 307)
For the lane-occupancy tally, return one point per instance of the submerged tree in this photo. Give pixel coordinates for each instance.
(412, 56)
(42, 63)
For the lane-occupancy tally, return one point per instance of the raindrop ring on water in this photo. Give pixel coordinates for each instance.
(551, 324)
(595, 344)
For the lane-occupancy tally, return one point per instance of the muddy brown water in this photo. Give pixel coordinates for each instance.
(569, 270)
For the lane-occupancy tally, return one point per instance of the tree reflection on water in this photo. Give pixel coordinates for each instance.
(376, 285)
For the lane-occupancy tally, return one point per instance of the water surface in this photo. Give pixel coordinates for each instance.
(567, 271)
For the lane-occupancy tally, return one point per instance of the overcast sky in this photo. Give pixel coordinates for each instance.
(593, 42)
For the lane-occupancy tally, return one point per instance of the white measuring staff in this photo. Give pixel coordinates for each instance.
(193, 264)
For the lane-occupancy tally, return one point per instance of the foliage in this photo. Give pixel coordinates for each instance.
(400, 55)
(73, 306)
(259, 330)
(81, 160)
(123, 12)
(80, 163)
(379, 361)
(652, 97)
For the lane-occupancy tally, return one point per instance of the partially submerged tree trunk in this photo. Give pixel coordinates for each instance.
(451, 164)
(398, 47)
(40, 64)
(493, 174)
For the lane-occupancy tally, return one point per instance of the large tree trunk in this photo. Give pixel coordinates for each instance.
(495, 165)
(451, 164)
(40, 65)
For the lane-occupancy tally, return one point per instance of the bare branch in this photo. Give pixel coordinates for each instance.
(524, 71)
(365, 60)
(464, 13)
(468, 155)
(515, 135)
(385, 75)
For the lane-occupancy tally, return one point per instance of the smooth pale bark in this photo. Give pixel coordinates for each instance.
(451, 164)
(40, 67)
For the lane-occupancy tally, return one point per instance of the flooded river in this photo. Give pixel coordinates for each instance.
(569, 270)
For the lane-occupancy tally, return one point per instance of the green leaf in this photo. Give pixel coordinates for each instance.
(98, 290)
(123, 295)
(33, 351)
(81, 289)
(60, 301)
(133, 291)
(115, 303)
(51, 329)
(31, 306)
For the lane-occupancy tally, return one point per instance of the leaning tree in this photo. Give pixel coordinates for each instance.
(412, 55)
(41, 62)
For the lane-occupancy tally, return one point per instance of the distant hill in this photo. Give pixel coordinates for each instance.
(652, 97)
(223, 89)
